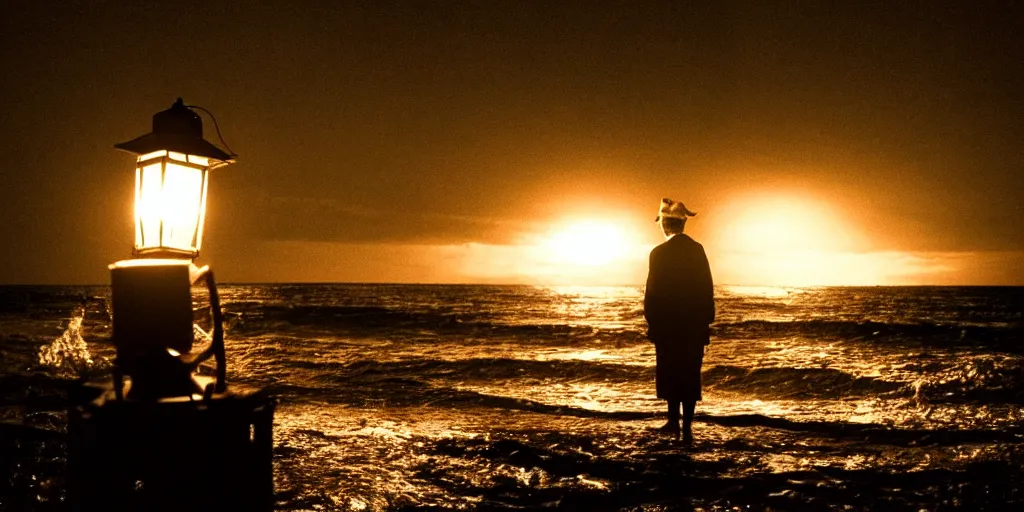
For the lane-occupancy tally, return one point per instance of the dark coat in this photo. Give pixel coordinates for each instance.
(679, 306)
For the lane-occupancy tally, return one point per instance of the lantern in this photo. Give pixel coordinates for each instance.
(171, 183)
(133, 440)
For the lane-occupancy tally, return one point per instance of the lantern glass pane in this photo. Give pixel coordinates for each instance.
(200, 160)
(148, 206)
(202, 211)
(177, 156)
(182, 201)
(169, 204)
(138, 195)
(154, 154)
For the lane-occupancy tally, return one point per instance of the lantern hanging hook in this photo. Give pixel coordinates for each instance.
(215, 126)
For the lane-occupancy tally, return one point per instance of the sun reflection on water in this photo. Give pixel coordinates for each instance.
(477, 398)
(581, 355)
(759, 291)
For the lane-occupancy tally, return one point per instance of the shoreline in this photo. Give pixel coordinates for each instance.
(433, 458)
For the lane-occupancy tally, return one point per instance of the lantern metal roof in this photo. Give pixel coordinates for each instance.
(176, 129)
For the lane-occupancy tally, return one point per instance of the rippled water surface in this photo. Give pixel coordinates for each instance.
(404, 397)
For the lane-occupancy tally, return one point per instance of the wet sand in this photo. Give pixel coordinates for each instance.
(404, 456)
(592, 463)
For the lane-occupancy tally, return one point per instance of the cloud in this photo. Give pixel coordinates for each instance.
(530, 264)
(869, 268)
(329, 220)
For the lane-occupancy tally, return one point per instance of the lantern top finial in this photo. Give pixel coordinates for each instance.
(176, 129)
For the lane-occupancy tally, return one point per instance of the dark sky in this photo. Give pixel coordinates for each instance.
(368, 129)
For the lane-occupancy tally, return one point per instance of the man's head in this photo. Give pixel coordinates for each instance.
(672, 226)
(672, 217)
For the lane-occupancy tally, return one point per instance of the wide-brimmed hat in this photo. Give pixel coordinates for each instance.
(673, 210)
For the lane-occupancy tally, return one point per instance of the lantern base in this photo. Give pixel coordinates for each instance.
(183, 453)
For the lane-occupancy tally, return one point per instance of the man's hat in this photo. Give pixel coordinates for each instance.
(673, 210)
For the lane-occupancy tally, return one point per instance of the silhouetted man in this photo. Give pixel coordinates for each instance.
(679, 306)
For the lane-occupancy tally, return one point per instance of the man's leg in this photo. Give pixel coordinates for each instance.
(672, 425)
(673, 410)
(688, 409)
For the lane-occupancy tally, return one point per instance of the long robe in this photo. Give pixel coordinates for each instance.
(679, 307)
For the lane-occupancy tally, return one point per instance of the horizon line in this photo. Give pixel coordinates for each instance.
(393, 283)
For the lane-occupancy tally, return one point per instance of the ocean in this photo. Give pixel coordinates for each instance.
(428, 397)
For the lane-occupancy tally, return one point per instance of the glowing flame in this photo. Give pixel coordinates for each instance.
(170, 202)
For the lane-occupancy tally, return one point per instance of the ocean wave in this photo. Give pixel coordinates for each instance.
(977, 382)
(982, 381)
(411, 392)
(475, 369)
(323, 315)
(397, 324)
(44, 301)
(1003, 336)
(796, 383)
(775, 383)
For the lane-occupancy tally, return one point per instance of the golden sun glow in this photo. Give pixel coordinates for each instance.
(789, 239)
(780, 238)
(785, 225)
(578, 251)
(772, 238)
(590, 243)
